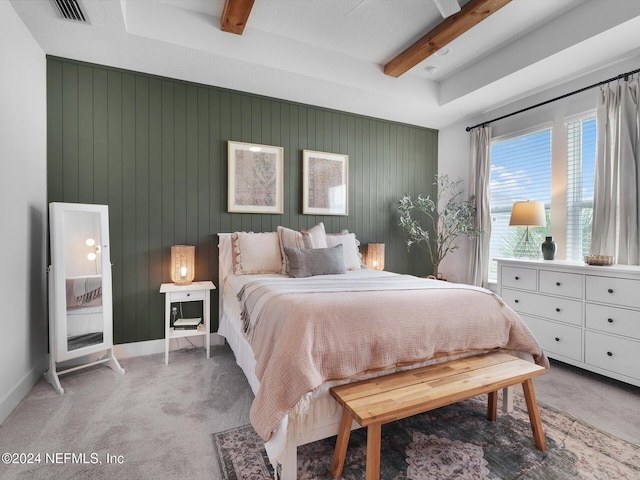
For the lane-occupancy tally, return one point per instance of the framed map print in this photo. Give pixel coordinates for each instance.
(325, 183)
(255, 178)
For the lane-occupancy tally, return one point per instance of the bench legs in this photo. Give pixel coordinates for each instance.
(341, 444)
(492, 406)
(373, 451)
(374, 433)
(534, 415)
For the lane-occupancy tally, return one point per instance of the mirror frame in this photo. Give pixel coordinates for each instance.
(59, 346)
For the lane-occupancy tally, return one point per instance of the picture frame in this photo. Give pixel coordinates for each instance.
(255, 179)
(325, 183)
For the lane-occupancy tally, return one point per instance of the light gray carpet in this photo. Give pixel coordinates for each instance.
(160, 419)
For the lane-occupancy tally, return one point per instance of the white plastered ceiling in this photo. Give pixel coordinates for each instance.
(331, 53)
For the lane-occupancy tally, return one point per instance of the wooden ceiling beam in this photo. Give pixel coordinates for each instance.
(451, 28)
(235, 15)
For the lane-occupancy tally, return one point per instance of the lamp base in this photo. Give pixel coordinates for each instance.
(526, 248)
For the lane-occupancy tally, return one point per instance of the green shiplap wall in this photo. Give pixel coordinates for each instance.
(155, 150)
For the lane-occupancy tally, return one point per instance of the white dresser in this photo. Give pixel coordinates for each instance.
(587, 316)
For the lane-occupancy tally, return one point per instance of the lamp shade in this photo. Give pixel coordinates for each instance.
(528, 214)
(183, 260)
(375, 256)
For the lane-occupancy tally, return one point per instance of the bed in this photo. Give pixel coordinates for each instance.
(295, 338)
(84, 311)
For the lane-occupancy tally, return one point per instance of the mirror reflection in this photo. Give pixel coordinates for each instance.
(83, 278)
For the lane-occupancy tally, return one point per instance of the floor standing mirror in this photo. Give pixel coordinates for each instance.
(80, 301)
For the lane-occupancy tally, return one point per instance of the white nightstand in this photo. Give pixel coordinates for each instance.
(194, 292)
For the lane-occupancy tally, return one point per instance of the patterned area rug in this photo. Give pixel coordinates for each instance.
(454, 442)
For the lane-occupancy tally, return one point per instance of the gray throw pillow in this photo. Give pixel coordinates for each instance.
(307, 262)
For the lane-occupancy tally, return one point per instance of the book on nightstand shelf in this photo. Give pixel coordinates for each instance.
(186, 323)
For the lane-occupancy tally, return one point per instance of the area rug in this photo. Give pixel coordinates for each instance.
(454, 442)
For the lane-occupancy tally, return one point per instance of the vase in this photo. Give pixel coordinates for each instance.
(549, 248)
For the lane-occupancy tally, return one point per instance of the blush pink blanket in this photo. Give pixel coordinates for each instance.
(308, 331)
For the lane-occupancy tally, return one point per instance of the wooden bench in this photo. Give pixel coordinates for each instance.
(385, 399)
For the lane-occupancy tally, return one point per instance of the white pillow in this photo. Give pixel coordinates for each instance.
(315, 237)
(349, 249)
(288, 238)
(256, 253)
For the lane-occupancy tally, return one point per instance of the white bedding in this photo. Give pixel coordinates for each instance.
(85, 320)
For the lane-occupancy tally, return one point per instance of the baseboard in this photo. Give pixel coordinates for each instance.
(149, 347)
(15, 396)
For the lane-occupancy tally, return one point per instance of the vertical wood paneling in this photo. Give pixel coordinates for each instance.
(141, 207)
(128, 218)
(115, 197)
(85, 132)
(155, 248)
(155, 150)
(100, 137)
(70, 140)
(55, 187)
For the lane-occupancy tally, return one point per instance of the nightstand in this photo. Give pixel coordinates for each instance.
(194, 292)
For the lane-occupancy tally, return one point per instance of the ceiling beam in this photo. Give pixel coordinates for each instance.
(235, 15)
(451, 28)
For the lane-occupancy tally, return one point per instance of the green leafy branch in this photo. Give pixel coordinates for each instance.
(449, 217)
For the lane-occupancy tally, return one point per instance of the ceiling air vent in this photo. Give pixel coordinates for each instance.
(70, 10)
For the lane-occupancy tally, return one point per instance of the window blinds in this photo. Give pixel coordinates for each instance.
(520, 170)
(581, 154)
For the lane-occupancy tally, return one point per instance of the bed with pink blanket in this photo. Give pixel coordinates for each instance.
(295, 338)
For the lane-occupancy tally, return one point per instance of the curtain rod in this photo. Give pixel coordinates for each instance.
(604, 82)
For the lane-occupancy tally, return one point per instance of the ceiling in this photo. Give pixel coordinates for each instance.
(332, 52)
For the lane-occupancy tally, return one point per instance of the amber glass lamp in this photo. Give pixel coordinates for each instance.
(183, 260)
(375, 256)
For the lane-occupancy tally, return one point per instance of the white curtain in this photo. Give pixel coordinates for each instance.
(616, 212)
(479, 175)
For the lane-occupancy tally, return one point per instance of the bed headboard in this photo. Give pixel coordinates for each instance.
(225, 265)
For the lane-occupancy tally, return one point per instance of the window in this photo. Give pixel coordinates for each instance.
(520, 170)
(581, 162)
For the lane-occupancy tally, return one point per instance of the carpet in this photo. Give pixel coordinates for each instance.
(453, 442)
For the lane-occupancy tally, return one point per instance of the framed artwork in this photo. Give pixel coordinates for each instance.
(325, 183)
(255, 178)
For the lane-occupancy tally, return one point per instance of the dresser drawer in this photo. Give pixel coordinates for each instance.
(552, 308)
(613, 353)
(619, 321)
(619, 291)
(516, 277)
(557, 338)
(560, 283)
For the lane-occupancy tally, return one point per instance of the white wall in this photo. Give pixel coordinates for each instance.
(453, 140)
(23, 196)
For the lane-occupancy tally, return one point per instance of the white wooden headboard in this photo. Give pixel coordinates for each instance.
(225, 265)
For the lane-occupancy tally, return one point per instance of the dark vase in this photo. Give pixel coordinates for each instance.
(549, 248)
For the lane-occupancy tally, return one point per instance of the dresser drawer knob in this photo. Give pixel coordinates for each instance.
(557, 339)
(557, 284)
(610, 320)
(517, 278)
(188, 294)
(610, 290)
(610, 354)
(517, 301)
(558, 309)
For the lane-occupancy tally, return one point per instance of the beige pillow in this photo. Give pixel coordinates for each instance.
(315, 237)
(256, 253)
(350, 251)
(288, 238)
